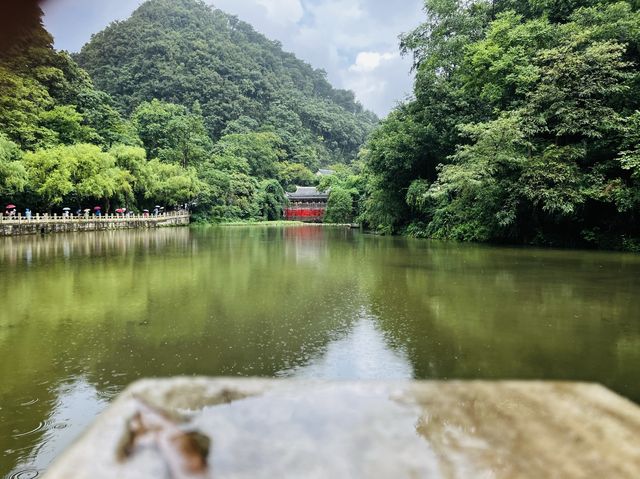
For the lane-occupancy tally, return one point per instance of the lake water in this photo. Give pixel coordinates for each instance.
(83, 315)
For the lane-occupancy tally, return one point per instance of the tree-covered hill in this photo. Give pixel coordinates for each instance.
(183, 52)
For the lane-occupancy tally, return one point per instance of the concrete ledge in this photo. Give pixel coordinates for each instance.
(290, 429)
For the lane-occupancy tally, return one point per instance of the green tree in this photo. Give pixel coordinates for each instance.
(271, 199)
(396, 154)
(339, 207)
(76, 174)
(262, 151)
(170, 184)
(22, 102)
(13, 176)
(67, 126)
(171, 133)
(133, 159)
(289, 174)
(229, 192)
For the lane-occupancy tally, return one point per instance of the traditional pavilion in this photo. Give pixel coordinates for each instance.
(306, 204)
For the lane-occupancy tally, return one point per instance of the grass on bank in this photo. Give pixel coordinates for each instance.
(264, 223)
(248, 223)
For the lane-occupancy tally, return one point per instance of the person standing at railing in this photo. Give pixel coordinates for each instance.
(27, 213)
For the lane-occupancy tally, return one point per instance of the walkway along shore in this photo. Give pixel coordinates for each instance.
(45, 224)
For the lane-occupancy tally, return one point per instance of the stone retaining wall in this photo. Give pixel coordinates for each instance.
(46, 225)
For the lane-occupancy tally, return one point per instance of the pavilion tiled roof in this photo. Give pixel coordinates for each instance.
(308, 193)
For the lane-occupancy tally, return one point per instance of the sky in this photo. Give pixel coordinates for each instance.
(354, 41)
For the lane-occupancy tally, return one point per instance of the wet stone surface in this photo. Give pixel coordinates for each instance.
(285, 428)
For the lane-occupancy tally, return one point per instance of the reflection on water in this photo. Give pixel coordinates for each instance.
(81, 316)
(362, 354)
(75, 406)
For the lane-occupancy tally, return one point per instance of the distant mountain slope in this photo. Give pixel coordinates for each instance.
(183, 51)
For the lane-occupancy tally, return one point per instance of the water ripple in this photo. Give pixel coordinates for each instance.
(39, 427)
(25, 474)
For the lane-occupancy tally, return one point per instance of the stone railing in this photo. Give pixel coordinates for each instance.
(25, 225)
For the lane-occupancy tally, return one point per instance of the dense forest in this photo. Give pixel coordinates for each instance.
(523, 128)
(180, 103)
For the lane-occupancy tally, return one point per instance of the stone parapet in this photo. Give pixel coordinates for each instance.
(254, 428)
(17, 226)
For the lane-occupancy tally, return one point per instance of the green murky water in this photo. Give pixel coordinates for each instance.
(83, 315)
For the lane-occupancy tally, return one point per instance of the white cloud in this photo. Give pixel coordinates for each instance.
(382, 87)
(369, 61)
(283, 11)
